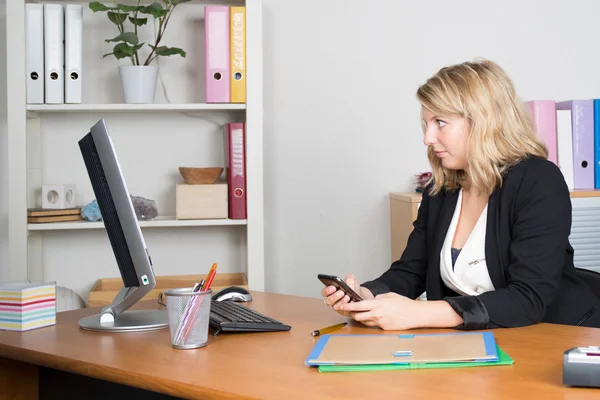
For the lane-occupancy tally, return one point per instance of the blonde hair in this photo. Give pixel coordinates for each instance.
(502, 130)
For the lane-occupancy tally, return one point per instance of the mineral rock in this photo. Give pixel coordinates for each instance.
(145, 209)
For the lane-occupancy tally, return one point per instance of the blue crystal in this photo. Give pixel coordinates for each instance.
(91, 211)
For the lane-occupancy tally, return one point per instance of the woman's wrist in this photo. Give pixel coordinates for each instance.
(437, 314)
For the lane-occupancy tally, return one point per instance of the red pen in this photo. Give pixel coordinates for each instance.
(211, 276)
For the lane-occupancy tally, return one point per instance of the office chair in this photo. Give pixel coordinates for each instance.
(592, 278)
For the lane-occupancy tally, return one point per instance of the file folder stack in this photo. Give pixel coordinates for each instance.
(367, 352)
(54, 36)
(225, 54)
(570, 129)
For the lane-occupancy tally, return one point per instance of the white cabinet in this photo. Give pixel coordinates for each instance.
(585, 226)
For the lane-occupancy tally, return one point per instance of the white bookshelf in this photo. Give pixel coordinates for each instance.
(26, 140)
(158, 222)
(46, 108)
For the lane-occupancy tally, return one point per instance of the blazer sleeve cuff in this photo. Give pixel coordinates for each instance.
(376, 287)
(472, 310)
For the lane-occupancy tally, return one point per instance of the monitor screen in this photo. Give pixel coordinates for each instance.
(124, 234)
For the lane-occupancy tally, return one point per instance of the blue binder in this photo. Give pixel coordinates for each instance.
(373, 349)
(597, 143)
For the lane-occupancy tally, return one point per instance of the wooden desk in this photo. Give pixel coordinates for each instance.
(271, 365)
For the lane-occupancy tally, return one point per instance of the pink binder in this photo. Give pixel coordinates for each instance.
(543, 113)
(235, 167)
(582, 120)
(216, 36)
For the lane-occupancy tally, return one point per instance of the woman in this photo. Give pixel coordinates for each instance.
(490, 243)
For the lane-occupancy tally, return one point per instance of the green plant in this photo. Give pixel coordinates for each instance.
(128, 43)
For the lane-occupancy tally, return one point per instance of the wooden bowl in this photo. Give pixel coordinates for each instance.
(200, 176)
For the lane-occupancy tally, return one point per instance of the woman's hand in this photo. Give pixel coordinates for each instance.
(335, 298)
(389, 311)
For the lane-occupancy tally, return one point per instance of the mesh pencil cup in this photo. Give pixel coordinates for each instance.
(189, 315)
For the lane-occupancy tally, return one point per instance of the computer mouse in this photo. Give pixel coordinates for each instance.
(234, 293)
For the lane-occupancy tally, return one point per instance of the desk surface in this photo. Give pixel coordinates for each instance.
(271, 365)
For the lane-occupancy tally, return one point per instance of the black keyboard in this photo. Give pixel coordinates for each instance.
(229, 316)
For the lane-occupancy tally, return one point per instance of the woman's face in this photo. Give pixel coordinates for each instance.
(448, 139)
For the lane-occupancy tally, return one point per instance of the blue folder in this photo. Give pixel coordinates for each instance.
(596, 144)
(373, 349)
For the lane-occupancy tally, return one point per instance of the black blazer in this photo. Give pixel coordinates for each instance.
(527, 250)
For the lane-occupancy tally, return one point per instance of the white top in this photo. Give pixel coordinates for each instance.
(470, 275)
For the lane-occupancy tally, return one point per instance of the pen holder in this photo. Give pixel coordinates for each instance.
(189, 315)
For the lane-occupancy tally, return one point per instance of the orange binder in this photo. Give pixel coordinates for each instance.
(237, 46)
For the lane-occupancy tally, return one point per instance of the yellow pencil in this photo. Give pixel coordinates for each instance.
(329, 329)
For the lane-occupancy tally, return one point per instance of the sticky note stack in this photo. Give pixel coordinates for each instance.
(26, 306)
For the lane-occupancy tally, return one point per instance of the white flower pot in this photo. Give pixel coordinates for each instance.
(139, 83)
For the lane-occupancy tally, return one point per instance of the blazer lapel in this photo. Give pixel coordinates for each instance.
(436, 290)
(492, 240)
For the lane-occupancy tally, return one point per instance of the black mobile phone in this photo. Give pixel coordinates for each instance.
(340, 284)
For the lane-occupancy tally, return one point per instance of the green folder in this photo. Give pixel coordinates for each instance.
(503, 359)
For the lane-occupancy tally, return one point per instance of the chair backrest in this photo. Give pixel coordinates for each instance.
(592, 278)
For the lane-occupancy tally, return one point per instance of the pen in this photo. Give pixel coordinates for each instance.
(186, 312)
(329, 329)
(196, 302)
(192, 306)
(211, 276)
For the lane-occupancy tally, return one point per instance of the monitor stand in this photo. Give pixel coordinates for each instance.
(111, 320)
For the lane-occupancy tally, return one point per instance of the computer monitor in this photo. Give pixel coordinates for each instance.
(126, 240)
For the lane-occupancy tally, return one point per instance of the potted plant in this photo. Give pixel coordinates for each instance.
(139, 79)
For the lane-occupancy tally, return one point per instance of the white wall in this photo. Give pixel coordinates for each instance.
(342, 123)
(3, 150)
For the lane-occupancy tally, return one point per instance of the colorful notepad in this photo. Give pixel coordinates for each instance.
(405, 349)
(25, 306)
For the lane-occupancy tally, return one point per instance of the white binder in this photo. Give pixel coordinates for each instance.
(73, 50)
(54, 50)
(564, 145)
(34, 52)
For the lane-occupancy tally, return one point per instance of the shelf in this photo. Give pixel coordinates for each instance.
(41, 108)
(159, 222)
(579, 193)
(409, 197)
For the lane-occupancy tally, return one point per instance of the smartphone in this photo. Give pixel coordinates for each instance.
(340, 284)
